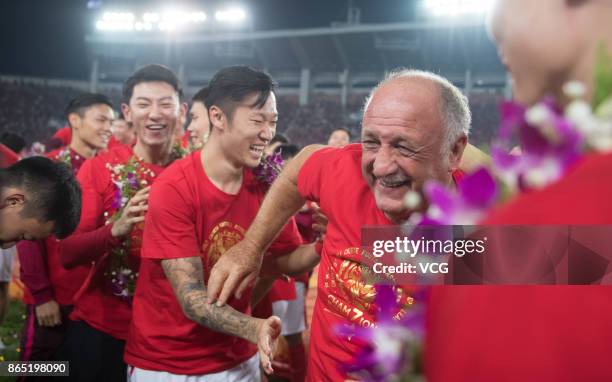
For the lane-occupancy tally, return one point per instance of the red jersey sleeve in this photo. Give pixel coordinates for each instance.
(311, 175)
(33, 270)
(92, 237)
(170, 226)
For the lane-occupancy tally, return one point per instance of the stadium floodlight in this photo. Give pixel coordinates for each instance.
(167, 21)
(230, 15)
(455, 8)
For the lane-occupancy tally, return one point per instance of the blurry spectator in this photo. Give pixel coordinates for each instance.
(199, 127)
(278, 140)
(122, 130)
(287, 151)
(339, 138)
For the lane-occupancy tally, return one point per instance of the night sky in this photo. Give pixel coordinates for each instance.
(45, 38)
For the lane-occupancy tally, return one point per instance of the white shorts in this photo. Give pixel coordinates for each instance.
(248, 371)
(6, 263)
(291, 312)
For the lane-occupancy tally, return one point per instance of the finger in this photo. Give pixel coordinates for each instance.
(249, 280)
(56, 319)
(136, 220)
(230, 285)
(319, 228)
(266, 364)
(215, 282)
(39, 320)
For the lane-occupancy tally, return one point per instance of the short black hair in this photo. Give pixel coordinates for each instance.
(13, 141)
(151, 73)
(279, 137)
(231, 85)
(287, 151)
(201, 95)
(84, 101)
(53, 193)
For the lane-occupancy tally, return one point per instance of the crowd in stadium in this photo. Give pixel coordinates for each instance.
(36, 112)
(174, 241)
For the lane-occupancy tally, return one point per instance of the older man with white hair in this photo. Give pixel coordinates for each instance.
(415, 128)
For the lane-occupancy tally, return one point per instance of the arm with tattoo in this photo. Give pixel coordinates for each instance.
(187, 280)
(186, 277)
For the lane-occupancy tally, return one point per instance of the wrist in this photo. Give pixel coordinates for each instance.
(252, 334)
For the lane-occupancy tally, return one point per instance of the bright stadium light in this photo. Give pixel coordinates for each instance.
(230, 15)
(167, 21)
(454, 8)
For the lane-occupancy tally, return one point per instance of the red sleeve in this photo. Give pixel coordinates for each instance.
(33, 270)
(7, 156)
(287, 241)
(170, 227)
(310, 177)
(92, 237)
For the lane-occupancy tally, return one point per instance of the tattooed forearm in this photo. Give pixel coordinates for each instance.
(186, 277)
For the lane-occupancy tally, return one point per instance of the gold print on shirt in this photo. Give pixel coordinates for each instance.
(221, 238)
(352, 291)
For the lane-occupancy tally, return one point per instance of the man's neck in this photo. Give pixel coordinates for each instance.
(222, 172)
(157, 155)
(82, 148)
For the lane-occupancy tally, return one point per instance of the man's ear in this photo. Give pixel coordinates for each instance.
(217, 118)
(127, 112)
(74, 120)
(14, 200)
(456, 152)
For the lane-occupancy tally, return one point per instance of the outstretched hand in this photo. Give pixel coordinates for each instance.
(234, 272)
(267, 334)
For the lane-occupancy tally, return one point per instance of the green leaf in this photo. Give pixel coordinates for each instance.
(603, 77)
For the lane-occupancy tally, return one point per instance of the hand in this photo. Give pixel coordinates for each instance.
(320, 220)
(133, 213)
(267, 333)
(236, 270)
(48, 314)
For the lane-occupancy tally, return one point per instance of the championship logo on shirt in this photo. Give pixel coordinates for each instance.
(221, 238)
(351, 289)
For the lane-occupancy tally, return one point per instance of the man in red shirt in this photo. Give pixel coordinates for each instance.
(415, 128)
(37, 198)
(50, 287)
(537, 333)
(199, 127)
(115, 191)
(198, 209)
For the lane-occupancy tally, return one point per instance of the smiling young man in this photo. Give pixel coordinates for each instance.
(198, 209)
(115, 192)
(415, 127)
(49, 287)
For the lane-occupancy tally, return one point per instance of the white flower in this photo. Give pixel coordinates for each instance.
(412, 200)
(574, 89)
(537, 115)
(126, 271)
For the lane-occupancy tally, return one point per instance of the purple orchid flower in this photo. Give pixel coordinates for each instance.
(466, 205)
(549, 145)
(387, 351)
(269, 168)
(132, 180)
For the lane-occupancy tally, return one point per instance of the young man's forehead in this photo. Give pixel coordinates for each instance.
(154, 90)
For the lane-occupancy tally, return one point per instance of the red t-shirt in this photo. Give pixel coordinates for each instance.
(41, 268)
(530, 333)
(332, 177)
(64, 135)
(189, 216)
(95, 303)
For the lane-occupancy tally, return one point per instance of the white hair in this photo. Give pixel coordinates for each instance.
(454, 106)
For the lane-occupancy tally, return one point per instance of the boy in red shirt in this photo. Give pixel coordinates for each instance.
(49, 287)
(115, 192)
(198, 209)
(409, 136)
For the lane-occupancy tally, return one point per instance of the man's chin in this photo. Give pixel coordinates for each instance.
(8, 245)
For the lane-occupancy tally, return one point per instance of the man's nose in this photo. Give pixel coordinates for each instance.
(384, 163)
